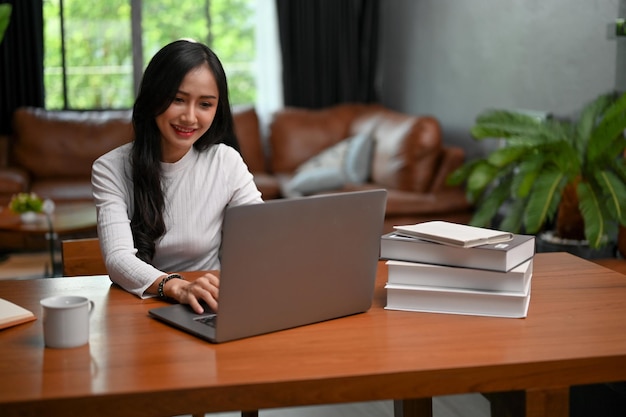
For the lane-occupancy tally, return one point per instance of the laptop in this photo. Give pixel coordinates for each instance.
(291, 262)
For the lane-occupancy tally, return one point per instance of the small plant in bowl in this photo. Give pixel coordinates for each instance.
(25, 202)
(27, 205)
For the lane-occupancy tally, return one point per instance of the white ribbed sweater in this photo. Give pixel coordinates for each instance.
(198, 188)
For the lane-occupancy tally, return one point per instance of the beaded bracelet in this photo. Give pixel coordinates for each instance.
(164, 280)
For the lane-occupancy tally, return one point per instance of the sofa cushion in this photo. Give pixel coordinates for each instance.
(313, 181)
(407, 149)
(64, 144)
(296, 134)
(357, 162)
(345, 162)
(247, 130)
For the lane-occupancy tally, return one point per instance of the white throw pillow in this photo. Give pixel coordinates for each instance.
(358, 158)
(347, 161)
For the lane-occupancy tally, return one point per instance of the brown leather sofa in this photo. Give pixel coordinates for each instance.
(409, 158)
(51, 152)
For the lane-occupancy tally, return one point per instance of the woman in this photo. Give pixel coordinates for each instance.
(161, 198)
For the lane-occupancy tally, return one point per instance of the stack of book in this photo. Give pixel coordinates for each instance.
(445, 267)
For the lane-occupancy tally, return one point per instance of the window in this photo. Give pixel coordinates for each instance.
(95, 52)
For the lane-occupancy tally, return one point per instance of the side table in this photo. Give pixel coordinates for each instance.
(69, 220)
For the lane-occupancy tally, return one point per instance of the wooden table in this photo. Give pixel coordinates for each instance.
(575, 333)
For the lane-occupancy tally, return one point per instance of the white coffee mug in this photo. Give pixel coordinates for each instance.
(66, 320)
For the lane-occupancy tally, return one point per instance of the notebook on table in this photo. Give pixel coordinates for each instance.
(291, 262)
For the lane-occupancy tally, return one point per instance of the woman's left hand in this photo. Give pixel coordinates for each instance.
(204, 288)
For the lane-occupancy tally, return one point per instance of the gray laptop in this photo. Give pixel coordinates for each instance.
(291, 262)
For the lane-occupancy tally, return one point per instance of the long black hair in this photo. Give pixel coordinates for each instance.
(159, 86)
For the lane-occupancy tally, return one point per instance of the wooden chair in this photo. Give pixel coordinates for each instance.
(83, 257)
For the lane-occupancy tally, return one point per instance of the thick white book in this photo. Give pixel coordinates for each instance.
(496, 257)
(420, 274)
(454, 234)
(458, 301)
(11, 314)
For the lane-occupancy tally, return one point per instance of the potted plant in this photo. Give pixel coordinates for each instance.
(572, 169)
(27, 205)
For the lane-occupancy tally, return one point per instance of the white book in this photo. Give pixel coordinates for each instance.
(457, 301)
(454, 234)
(421, 274)
(11, 314)
(496, 257)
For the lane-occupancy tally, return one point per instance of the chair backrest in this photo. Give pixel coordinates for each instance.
(82, 257)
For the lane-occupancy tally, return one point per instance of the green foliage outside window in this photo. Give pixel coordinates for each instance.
(98, 46)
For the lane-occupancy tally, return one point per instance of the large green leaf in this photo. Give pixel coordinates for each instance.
(490, 203)
(460, 175)
(589, 116)
(607, 138)
(562, 156)
(508, 154)
(591, 210)
(607, 142)
(614, 194)
(525, 176)
(617, 107)
(557, 130)
(618, 166)
(481, 176)
(512, 221)
(544, 199)
(504, 124)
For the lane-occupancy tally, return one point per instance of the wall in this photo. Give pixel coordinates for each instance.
(455, 58)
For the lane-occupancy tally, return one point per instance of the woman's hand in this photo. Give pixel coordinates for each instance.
(205, 288)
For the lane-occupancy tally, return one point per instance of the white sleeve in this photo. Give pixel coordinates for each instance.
(112, 191)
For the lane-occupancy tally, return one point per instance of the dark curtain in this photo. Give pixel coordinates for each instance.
(329, 51)
(21, 60)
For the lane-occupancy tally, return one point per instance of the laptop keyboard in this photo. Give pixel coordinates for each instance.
(208, 319)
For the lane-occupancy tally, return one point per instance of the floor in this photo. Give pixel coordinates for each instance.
(27, 265)
(470, 405)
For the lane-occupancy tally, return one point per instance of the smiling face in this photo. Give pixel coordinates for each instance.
(189, 115)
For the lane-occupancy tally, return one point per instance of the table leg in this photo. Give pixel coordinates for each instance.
(419, 407)
(51, 237)
(547, 402)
